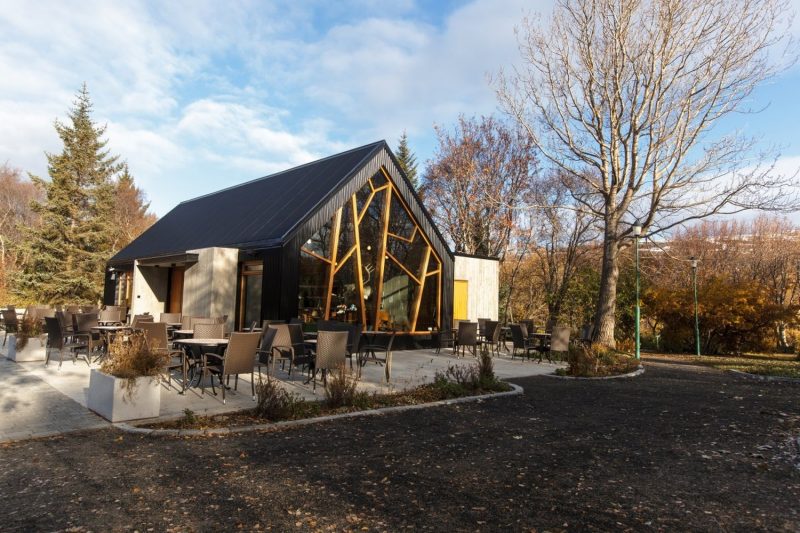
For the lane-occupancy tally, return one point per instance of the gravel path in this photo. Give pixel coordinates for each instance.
(678, 448)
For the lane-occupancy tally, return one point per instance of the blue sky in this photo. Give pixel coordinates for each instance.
(202, 95)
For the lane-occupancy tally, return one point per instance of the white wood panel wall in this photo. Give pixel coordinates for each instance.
(483, 278)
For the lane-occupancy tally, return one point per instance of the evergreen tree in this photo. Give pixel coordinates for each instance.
(65, 256)
(407, 160)
(131, 216)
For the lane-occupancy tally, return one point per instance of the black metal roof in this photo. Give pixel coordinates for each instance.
(257, 214)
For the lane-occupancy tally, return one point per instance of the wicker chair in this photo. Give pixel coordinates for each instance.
(110, 316)
(289, 346)
(521, 342)
(467, 336)
(138, 319)
(331, 353)
(239, 358)
(155, 334)
(57, 341)
(170, 318)
(491, 340)
(10, 323)
(82, 324)
(371, 351)
(209, 331)
(264, 352)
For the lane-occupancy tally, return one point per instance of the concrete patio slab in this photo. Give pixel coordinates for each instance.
(57, 398)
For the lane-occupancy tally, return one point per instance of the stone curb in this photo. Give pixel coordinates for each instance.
(129, 428)
(635, 373)
(759, 377)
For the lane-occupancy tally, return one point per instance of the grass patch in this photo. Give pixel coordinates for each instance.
(780, 365)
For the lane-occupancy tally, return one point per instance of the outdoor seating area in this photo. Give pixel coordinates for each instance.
(206, 363)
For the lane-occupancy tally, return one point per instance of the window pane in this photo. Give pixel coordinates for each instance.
(320, 242)
(396, 297)
(345, 304)
(371, 233)
(252, 300)
(400, 222)
(428, 307)
(313, 275)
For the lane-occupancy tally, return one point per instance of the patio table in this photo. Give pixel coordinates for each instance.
(107, 332)
(196, 344)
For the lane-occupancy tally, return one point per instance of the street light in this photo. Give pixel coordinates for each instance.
(637, 233)
(696, 318)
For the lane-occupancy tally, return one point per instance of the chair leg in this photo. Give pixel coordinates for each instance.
(253, 385)
(235, 382)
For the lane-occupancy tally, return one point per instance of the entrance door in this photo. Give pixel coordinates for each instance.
(460, 293)
(250, 294)
(175, 292)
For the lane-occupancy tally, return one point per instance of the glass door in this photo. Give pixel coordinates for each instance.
(250, 294)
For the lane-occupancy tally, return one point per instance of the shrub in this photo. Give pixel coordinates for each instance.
(28, 327)
(733, 317)
(341, 390)
(129, 357)
(276, 403)
(458, 380)
(596, 361)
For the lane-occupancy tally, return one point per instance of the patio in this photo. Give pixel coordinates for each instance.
(36, 400)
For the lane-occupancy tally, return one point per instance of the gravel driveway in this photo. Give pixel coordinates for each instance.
(679, 448)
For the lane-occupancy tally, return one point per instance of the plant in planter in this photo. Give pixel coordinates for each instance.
(28, 344)
(126, 387)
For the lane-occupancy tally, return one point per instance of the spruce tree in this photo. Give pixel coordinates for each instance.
(65, 256)
(407, 160)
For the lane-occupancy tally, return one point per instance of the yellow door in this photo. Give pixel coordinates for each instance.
(460, 292)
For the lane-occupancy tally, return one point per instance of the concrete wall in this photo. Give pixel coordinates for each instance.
(149, 290)
(483, 292)
(209, 286)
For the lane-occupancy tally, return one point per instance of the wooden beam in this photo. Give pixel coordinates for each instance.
(344, 259)
(309, 252)
(418, 298)
(382, 255)
(360, 276)
(337, 223)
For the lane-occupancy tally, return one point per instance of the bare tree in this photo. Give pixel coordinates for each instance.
(476, 163)
(16, 195)
(621, 95)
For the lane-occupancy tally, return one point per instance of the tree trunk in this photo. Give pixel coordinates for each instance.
(605, 315)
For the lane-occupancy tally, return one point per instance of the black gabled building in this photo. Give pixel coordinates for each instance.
(345, 237)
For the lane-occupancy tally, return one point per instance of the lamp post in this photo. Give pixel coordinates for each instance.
(696, 318)
(637, 233)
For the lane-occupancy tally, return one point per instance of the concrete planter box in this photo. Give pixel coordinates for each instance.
(10, 346)
(34, 350)
(108, 397)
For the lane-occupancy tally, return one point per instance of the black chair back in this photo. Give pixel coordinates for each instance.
(518, 335)
(264, 349)
(55, 339)
(492, 331)
(530, 327)
(467, 333)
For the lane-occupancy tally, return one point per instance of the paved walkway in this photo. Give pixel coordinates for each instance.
(38, 401)
(29, 407)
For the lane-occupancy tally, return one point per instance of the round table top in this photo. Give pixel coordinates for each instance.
(174, 324)
(184, 331)
(110, 328)
(202, 342)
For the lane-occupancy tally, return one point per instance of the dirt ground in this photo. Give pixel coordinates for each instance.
(680, 448)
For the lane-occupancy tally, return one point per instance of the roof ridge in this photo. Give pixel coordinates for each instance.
(274, 174)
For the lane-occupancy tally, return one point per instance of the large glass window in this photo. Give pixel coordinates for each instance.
(371, 264)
